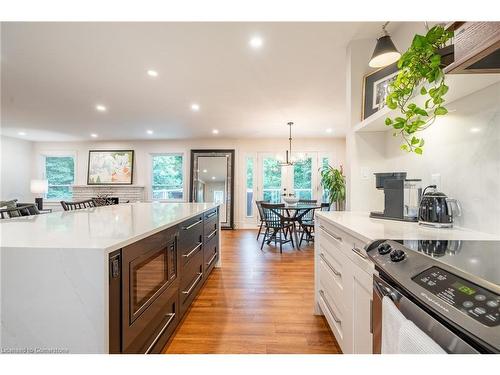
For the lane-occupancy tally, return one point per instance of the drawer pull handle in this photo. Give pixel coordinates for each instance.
(337, 273)
(211, 234)
(192, 225)
(211, 215)
(192, 251)
(359, 252)
(329, 307)
(338, 238)
(171, 317)
(198, 278)
(211, 259)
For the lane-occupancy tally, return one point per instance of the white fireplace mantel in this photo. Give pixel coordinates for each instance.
(124, 193)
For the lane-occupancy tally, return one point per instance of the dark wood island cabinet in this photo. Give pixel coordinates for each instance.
(153, 282)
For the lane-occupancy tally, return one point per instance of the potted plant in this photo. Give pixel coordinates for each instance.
(333, 180)
(421, 70)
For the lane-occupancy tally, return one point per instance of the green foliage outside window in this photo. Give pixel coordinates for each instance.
(60, 173)
(168, 177)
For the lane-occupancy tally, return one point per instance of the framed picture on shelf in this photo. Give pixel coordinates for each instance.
(113, 167)
(375, 89)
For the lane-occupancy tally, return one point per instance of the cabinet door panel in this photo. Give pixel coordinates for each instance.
(361, 284)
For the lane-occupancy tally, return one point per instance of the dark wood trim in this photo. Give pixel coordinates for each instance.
(233, 161)
(111, 184)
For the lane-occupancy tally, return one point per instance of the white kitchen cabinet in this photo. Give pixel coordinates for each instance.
(344, 277)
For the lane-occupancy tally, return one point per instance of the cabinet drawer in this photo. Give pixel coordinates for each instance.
(331, 273)
(210, 227)
(212, 214)
(350, 246)
(332, 314)
(191, 281)
(155, 331)
(190, 230)
(210, 254)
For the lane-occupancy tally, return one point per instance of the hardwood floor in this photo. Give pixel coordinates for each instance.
(258, 302)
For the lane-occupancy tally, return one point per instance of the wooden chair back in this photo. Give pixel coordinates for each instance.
(272, 215)
(71, 206)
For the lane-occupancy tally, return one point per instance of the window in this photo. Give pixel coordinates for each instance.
(60, 174)
(168, 177)
(219, 196)
(325, 197)
(249, 191)
(302, 179)
(271, 186)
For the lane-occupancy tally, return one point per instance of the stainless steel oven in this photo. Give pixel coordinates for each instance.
(452, 297)
(448, 340)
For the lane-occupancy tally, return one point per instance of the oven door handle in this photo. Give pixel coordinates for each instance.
(150, 347)
(384, 290)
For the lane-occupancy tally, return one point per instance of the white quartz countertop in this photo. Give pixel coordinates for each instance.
(107, 228)
(360, 225)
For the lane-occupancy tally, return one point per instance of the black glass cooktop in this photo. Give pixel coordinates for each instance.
(478, 258)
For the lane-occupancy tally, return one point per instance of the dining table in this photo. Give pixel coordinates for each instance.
(294, 214)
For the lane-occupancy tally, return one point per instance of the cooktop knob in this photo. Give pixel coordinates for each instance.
(398, 255)
(384, 248)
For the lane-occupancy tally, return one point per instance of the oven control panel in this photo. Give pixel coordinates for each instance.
(474, 301)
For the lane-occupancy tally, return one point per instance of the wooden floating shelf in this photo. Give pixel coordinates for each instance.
(460, 85)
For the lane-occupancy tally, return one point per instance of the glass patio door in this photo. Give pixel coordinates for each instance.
(275, 180)
(271, 179)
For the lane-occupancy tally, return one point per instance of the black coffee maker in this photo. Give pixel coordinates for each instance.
(437, 210)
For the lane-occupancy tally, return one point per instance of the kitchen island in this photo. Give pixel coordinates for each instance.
(107, 279)
(344, 273)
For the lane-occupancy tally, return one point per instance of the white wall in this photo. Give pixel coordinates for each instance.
(16, 169)
(144, 149)
(468, 163)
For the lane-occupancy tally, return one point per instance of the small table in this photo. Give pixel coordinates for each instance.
(295, 214)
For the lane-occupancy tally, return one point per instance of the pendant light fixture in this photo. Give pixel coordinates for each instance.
(290, 160)
(385, 52)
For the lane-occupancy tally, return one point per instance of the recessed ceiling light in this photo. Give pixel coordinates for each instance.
(205, 171)
(21, 133)
(329, 130)
(149, 132)
(93, 135)
(195, 107)
(215, 131)
(152, 73)
(475, 130)
(101, 108)
(256, 42)
(213, 177)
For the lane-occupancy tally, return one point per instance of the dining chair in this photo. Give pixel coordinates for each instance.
(261, 215)
(277, 226)
(71, 206)
(21, 209)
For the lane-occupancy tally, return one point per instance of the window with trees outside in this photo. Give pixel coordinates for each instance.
(60, 174)
(302, 179)
(249, 189)
(168, 177)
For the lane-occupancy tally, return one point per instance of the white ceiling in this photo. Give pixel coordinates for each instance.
(53, 75)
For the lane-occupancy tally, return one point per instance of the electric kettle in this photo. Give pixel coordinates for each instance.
(437, 210)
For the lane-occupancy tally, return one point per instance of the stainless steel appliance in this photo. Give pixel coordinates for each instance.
(452, 296)
(436, 209)
(401, 196)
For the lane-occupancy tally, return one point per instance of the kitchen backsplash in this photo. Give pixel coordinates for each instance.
(463, 148)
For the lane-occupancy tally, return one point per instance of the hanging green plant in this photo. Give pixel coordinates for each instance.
(420, 67)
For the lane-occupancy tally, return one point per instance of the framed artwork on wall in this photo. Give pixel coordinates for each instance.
(113, 167)
(375, 89)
